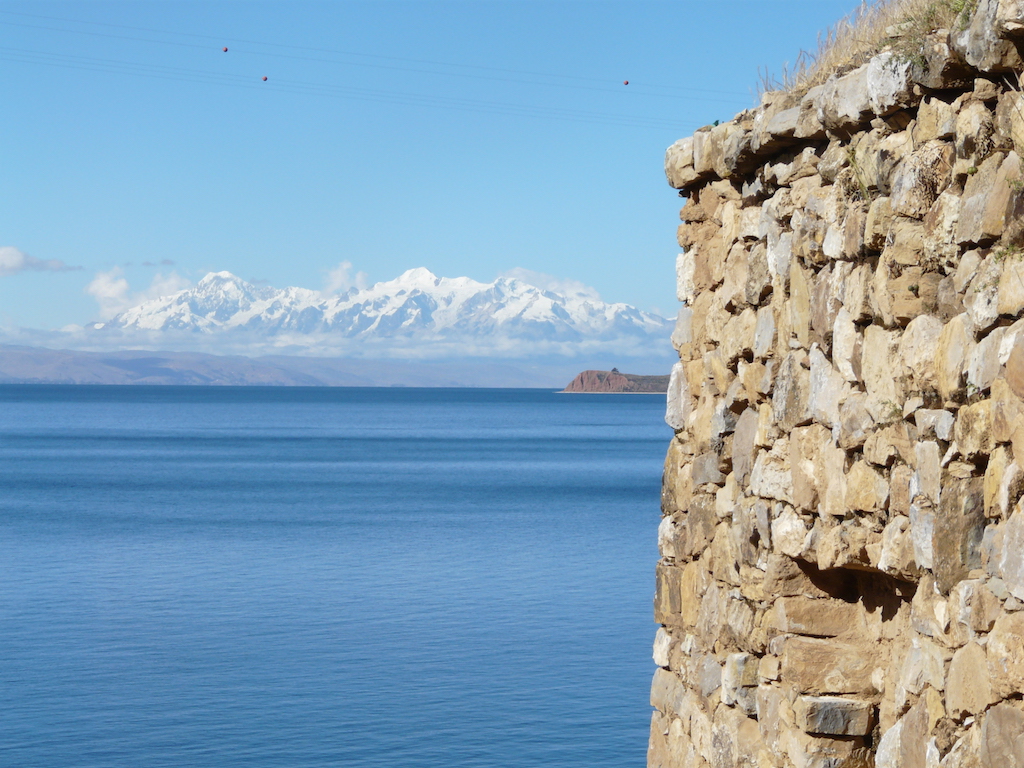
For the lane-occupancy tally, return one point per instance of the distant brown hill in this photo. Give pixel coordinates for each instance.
(613, 381)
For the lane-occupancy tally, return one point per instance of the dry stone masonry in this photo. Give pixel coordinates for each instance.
(841, 580)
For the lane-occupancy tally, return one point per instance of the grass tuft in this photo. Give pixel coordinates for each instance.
(897, 25)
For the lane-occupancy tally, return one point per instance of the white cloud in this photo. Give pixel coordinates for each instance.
(546, 282)
(110, 290)
(13, 261)
(340, 279)
(164, 285)
(114, 295)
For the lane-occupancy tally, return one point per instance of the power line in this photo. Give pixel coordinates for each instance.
(163, 72)
(678, 89)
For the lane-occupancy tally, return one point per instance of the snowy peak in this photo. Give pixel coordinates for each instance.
(418, 275)
(417, 306)
(224, 284)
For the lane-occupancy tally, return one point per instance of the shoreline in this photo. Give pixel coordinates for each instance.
(566, 392)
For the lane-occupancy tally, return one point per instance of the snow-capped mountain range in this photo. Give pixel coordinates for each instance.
(417, 307)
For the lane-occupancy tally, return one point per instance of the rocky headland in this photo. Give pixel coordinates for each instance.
(614, 382)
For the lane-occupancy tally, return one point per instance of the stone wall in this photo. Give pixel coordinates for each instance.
(841, 579)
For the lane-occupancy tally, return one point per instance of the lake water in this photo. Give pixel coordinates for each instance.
(326, 577)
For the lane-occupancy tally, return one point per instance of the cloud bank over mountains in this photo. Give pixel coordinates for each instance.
(114, 295)
(415, 316)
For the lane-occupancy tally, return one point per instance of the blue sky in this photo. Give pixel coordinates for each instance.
(471, 138)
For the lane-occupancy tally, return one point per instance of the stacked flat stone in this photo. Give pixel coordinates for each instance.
(841, 579)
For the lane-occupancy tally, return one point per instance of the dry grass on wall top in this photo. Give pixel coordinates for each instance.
(898, 25)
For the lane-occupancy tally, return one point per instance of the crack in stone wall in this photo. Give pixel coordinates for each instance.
(841, 581)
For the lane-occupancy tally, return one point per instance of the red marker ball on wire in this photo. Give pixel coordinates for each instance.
(264, 78)
(225, 49)
(624, 82)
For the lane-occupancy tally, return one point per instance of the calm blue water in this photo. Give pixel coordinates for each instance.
(326, 577)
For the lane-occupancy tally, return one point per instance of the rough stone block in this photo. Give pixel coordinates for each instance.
(705, 469)
(968, 687)
(814, 617)
(668, 532)
(808, 751)
(989, 195)
(806, 445)
(889, 84)
(845, 102)
(921, 177)
(1009, 122)
(940, 225)
(909, 743)
(679, 406)
(1011, 285)
(897, 553)
(879, 219)
(934, 423)
(981, 300)
(739, 681)
(1006, 553)
(855, 421)
(885, 445)
(922, 530)
(959, 527)
(847, 345)
(924, 666)
(809, 124)
(866, 489)
(834, 715)
(817, 666)
(973, 140)
(982, 43)
(941, 66)
(666, 594)
(662, 644)
(828, 390)
(973, 429)
(880, 369)
(1004, 483)
(983, 365)
(1002, 737)
(667, 692)
(771, 477)
(699, 524)
(917, 350)
(954, 346)
(679, 168)
(799, 305)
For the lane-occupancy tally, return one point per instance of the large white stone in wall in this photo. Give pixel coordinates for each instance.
(844, 101)
(888, 83)
(789, 533)
(880, 87)
(679, 163)
(922, 529)
(846, 345)
(1009, 554)
(888, 754)
(677, 411)
(917, 349)
(682, 334)
(686, 266)
(828, 389)
(662, 645)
